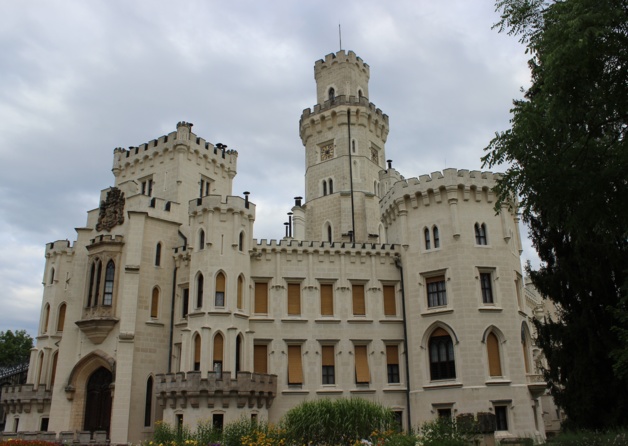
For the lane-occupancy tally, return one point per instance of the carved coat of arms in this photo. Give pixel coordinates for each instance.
(111, 210)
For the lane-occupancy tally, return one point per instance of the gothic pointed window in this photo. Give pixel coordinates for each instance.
(480, 234)
(92, 278)
(324, 187)
(426, 233)
(61, 317)
(109, 276)
(154, 304)
(97, 288)
(199, 290)
(436, 237)
(148, 405)
(331, 186)
(158, 254)
(220, 290)
(441, 351)
(197, 352)
(201, 240)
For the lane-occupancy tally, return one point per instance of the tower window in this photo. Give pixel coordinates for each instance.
(331, 94)
(436, 291)
(158, 254)
(109, 276)
(201, 240)
(328, 365)
(428, 244)
(199, 291)
(331, 186)
(436, 237)
(324, 187)
(487, 288)
(480, 234)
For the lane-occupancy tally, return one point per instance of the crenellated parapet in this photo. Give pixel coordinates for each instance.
(340, 57)
(306, 247)
(178, 390)
(217, 203)
(25, 398)
(59, 248)
(440, 187)
(181, 140)
(365, 114)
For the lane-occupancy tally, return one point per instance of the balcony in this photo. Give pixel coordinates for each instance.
(24, 398)
(536, 384)
(177, 390)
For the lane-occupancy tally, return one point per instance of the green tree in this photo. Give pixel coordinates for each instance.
(15, 348)
(568, 157)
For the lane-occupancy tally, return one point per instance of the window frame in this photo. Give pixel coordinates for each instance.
(443, 368)
(435, 294)
(486, 286)
(481, 236)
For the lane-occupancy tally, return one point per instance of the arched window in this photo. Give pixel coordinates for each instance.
(97, 286)
(442, 362)
(426, 234)
(331, 186)
(218, 351)
(238, 353)
(197, 352)
(201, 240)
(199, 290)
(46, 318)
(52, 276)
(241, 241)
(53, 372)
(329, 233)
(525, 346)
(360, 93)
(154, 304)
(240, 291)
(61, 317)
(90, 291)
(158, 254)
(324, 187)
(331, 94)
(353, 146)
(40, 367)
(494, 358)
(220, 290)
(110, 273)
(148, 405)
(480, 234)
(436, 237)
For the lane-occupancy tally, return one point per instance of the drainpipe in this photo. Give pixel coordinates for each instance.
(405, 337)
(174, 292)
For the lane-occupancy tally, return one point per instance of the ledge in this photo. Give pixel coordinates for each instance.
(330, 391)
(396, 320)
(365, 390)
(498, 382)
(261, 319)
(359, 321)
(295, 392)
(443, 385)
(155, 323)
(437, 311)
(294, 320)
(394, 389)
(324, 320)
(490, 309)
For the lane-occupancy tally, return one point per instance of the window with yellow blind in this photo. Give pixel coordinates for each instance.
(295, 365)
(294, 299)
(154, 304)
(362, 373)
(359, 305)
(219, 342)
(261, 298)
(328, 363)
(494, 360)
(239, 292)
(392, 363)
(327, 299)
(260, 358)
(390, 303)
(220, 290)
(61, 317)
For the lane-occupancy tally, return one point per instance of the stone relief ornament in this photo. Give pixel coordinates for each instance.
(111, 210)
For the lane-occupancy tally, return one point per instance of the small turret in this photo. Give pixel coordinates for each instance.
(349, 76)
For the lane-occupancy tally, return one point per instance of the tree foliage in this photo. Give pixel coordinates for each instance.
(568, 153)
(15, 348)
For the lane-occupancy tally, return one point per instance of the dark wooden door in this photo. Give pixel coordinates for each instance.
(98, 401)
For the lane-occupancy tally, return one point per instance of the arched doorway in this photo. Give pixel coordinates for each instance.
(98, 401)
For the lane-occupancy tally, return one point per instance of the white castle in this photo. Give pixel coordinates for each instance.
(406, 292)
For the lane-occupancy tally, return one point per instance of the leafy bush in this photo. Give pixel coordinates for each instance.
(590, 438)
(336, 422)
(444, 432)
(245, 431)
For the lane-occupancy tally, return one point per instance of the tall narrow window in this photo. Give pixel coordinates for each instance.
(148, 403)
(92, 277)
(158, 254)
(154, 304)
(240, 291)
(97, 288)
(436, 237)
(327, 299)
(392, 363)
(295, 366)
(61, 317)
(52, 276)
(501, 418)
(260, 358)
(197, 352)
(359, 305)
(331, 94)
(329, 233)
(487, 288)
(261, 297)
(241, 241)
(219, 342)
(220, 290)
(201, 240)
(238, 354)
(324, 187)
(494, 360)
(200, 283)
(524, 346)
(480, 234)
(331, 186)
(426, 233)
(110, 273)
(390, 305)
(362, 373)
(436, 291)
(46, 318)
(441, 348)
(53, 372)
(328, 371)
(186, 302)
(294, 299)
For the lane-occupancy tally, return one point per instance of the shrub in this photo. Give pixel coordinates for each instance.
(336, 422)
(590, 438)
(235, 434)
(444, 432)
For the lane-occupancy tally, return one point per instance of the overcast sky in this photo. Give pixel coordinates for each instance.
(79, 78)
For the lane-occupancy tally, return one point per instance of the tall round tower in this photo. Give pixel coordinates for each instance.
(344, 137)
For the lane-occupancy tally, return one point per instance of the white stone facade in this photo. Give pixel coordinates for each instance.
(165, 307)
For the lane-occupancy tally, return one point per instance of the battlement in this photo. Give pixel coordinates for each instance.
(344, 100)
(307, 246)
(106, 239)
(59, 247)
(339, 58)
(182, 136)
(232, 204)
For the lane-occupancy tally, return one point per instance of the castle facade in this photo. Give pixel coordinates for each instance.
(406, 292)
